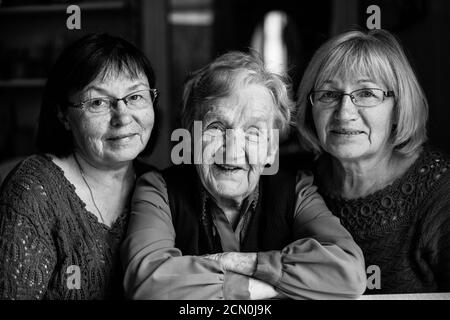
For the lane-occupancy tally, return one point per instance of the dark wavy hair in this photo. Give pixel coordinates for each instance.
(86, 59)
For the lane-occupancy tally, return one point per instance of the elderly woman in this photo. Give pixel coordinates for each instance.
(363, 111)
(216, 229)
(64, 211)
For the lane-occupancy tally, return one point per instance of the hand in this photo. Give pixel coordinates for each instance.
(239, 262)
(261, 290)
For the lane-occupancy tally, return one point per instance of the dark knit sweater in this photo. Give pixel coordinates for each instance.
(44, 229)
(404, 229)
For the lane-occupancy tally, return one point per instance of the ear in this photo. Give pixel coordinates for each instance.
(62, 117)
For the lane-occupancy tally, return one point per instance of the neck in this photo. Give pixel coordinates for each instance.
(107, 176)
(230, 207)
(359, 178)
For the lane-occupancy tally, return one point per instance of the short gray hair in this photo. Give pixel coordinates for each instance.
(376, 54)
(217, 80)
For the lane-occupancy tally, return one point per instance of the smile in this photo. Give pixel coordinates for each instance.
(228, 168)
(121, 137)
(347, 132)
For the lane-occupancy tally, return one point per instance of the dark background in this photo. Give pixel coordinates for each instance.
(181, 35)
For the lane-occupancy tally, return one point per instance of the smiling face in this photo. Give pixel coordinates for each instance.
(353, 133)
(118, 136)
(236, 143)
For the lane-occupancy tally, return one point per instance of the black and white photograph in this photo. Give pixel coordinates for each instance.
(194, 150)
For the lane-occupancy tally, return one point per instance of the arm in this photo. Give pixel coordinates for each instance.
(155, 269)
(26, 255)
(322, 263)
(245, 263)
(435, 235)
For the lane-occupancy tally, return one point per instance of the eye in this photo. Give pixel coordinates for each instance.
(327, 96)
(97, 103)
(216, 126)
(365, 93)
(135, 97)
(330, 95)
(215, 130)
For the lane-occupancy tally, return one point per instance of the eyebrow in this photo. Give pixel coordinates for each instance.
(217, 116)
(359, 81)
(366, 81)
(102, 90)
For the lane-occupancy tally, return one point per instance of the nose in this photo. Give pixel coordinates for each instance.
(346, 109)
(235, 147)
(120, 114)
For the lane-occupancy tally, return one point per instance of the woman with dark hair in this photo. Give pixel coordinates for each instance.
(64, 211)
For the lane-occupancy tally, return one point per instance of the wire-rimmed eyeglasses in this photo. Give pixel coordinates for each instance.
(367, 97)
(137, 100)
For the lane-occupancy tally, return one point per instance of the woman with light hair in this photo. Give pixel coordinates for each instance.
(222, 230)
(363, 113)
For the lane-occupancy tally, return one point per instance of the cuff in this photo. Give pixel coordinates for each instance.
(268, 267)
(235, 287)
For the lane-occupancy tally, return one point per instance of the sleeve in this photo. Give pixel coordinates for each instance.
(323, 262)
(26, 255)
(155, 268)
(435, 239)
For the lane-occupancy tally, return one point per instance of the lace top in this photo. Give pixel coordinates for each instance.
(51, 247)
(404, 229)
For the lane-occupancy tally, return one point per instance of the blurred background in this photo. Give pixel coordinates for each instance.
(180, 36)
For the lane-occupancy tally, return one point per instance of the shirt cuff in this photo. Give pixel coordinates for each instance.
(235, 287)
(268, 267)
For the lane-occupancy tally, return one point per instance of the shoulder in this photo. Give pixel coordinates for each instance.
(153, 178)
(30, 176)
(433, 178)
(25, 192)
(150, 187)
(431, 174)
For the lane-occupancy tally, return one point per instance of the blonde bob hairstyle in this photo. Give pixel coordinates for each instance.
(376, 55)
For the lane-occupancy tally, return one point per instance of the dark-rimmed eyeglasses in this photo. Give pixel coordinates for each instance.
(367, 97)
(136, 100)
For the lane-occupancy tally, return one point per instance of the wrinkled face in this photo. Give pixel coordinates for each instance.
(237, 143)
(114, 137)
(353, 133)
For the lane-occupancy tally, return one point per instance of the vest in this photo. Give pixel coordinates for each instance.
(269, 229)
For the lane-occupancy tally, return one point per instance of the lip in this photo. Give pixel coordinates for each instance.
(346, 131)
(229, 168)
(120, 136)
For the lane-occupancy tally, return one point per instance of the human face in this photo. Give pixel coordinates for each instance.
(118, 136)
(349, 132)
(237, 143)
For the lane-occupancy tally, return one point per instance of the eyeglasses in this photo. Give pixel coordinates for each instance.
(136, 100)
(367, 97)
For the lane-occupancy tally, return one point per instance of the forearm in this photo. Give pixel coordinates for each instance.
(171, 276)
(245, 263)
(307, 269)
(239, 262)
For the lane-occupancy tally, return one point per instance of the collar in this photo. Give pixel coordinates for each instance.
(250, 202)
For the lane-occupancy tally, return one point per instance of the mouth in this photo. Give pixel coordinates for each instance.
(349, 132)
(121, 136)
(229, 168)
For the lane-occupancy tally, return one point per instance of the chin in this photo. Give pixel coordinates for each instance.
(228, 190)
(123, 156)
(346, 152)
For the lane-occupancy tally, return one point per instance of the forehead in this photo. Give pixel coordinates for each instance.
(353, 66)
(118, 79)
(249, 104)
(357, 82)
